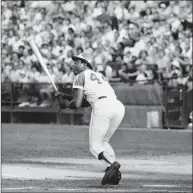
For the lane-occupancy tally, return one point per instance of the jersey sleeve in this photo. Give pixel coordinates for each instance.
(79, 81)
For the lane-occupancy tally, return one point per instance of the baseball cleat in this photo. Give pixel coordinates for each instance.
(111, 171)
(116, 178)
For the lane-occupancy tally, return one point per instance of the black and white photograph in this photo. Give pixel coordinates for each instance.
(96, 96)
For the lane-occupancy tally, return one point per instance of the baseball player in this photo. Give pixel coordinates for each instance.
(107, 113)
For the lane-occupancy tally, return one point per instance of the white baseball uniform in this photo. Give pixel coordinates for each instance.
(107, 111)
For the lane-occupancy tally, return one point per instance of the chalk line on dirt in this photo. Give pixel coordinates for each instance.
(173, 165)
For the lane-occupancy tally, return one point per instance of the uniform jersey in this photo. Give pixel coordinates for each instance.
(94, 85)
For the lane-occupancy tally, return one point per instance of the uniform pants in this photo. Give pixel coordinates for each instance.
(106, 117)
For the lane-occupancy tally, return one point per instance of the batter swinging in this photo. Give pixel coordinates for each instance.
(107, 113)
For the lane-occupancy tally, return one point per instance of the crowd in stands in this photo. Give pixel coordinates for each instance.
(128, 41)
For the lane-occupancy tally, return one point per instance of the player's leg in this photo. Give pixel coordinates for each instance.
(98, 128)
(109, 149)
(114, 124)
(113, 175)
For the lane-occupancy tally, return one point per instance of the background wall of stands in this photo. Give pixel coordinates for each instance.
(147, 106)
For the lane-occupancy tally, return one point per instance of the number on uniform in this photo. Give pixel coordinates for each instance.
(93, 77)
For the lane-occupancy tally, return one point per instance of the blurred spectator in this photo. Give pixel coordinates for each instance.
(142, 77)
(44, 51)
(33, 74)
(88, 32)
(18, 44)
(79, 50)
(120, 49)
(138, 46)
(70, 37)
(162, 61)
(128, 72)
(186, 80)
(11, 37)
(174, 73)
(30, 58)
(143, 58)
(21, 51)
(154, 55)
(182, 60)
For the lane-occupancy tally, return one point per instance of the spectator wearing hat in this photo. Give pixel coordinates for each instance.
(175, 70)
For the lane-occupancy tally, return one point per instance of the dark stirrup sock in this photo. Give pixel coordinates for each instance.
(101, 156)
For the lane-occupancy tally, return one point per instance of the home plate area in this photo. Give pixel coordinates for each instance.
(84, 175)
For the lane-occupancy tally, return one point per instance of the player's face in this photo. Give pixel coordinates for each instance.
(77, 67)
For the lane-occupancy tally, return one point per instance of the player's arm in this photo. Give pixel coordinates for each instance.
(77, 99)
(78, 87)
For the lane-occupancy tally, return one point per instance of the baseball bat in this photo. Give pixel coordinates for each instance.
(42, 63)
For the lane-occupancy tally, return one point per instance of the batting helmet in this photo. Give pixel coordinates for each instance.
(83, 57)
